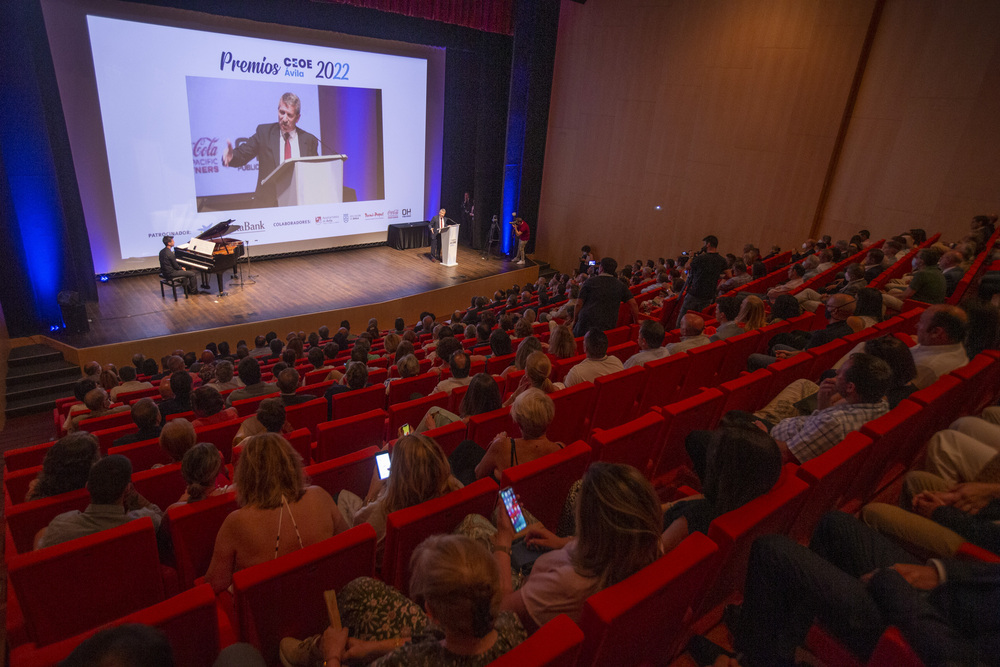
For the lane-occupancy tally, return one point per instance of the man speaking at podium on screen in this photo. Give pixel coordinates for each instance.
(272, 144)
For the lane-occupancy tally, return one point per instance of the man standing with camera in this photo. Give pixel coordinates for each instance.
(703, 278)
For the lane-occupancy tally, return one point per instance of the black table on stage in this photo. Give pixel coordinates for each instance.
(406, 235)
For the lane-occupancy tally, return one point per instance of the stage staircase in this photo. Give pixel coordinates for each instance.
(544, 269)
(36, 376)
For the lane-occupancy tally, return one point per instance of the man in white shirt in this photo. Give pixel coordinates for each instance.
(129, 383)
(692, 334)
(939, 348)
(597, 363)
(650, 344)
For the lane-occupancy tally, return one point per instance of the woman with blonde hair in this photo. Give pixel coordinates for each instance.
(418, 472)
(752, 314)
(537, 368)
(562, 345)
(532, 411)
(279, 512)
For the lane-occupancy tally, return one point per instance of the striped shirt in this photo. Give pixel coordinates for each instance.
(808, 437)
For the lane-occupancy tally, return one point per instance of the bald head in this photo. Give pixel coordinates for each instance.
(692, 324)
(840, 306)
(942, 324)
(950, 259)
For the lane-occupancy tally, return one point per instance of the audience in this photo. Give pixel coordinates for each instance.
(210, 408)
(96, 401)
(146, 417)
(65, 467)
(250, 376)
(692, 329)
(128, 383)
(597, 363)
(650, 343)
(532, 411)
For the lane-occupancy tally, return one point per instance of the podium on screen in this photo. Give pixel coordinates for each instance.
(309, 180)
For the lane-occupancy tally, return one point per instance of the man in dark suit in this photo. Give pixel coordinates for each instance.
(438, 223)
(272, 144)
(171, 268)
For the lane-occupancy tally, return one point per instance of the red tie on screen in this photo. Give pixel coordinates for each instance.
(288, 148)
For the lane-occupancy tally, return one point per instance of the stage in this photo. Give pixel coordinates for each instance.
(289, 293)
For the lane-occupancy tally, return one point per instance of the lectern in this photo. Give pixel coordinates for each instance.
(309, 180)
(449, 245)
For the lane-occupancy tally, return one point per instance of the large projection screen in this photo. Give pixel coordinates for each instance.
(175, 118)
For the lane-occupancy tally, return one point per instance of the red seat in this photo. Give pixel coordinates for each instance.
(641, 620)
(448, 436)
(735, 531)
(484, 427)
(895, 443)
(544, 483)
(343, 436)
(161, 486)
(350, 403)
(126, 398)
(75, 586)
(511, 380)
(307, 415)
(95, 424)
(825, 356)
(190, 621)
(981, 379)
(701, 411)
(891, 649)
(495, 365)
(555, 644)
(738, 348)
(623, 350)
(144, 454)
(407, 528)
(403, 390)
(561, 367)
(221, 435)
(25, 457)
(455, 398)
(411, 412)
(26, 519)
(248, 406)
(830, 476)
(193, 529)
(616, 396)
(705, 363)
(573, 406)
(664, 380)
(770, 331)
(316, 376)
(351, 471)
(786, 371)
(301, 441)
(635, 442)
(106, 437)
(747, 392)
(284, 597)
(16, 483)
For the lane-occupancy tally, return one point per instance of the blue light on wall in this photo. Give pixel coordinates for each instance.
(511, 194)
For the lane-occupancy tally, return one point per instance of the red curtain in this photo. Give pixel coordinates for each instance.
(487, 15)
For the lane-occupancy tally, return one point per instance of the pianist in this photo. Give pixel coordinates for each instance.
(171, 268)
(272, 144)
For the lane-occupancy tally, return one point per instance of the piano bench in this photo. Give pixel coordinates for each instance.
(173, 283)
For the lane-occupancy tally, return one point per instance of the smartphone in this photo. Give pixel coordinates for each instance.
(382, 462)
(513, 509)
(592, 262)
(406, 429)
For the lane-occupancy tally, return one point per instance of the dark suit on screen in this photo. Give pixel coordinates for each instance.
(267, 145)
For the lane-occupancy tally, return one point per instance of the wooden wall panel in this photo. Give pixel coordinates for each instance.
(722, 112)
(922, 144)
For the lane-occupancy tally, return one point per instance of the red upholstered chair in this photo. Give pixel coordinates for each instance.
(561, 366)
(573, 406)
(26, 519)
(307, 415)
(316, 376)
(770, 331)
(126, 398)
(16, 483)
(193, 528)
(641, 620)
(705, 363)
(343, 436)
(407, 528)
(143, 455)
(555, 644)
(895, 442)
(106, 437)
(301, 440)
(402, 390)
(825, 356)
(512, 379)
(981, 383)
(161, 486)
(969, 551)
(616, 396)
(248, 406)
(701, 411)
(495, 365)
(411, 412)
(352, 472)
(738, 348)
(664, 380)
(484, 427)
(544, 483)
(623, 350)
(75, 586)
(355, 402)
(221, 435)
(635, 442)
(455, 398)
(829, 476)
(25, 457)
(786, 371)
(735, 531)
(747, 392)
(96, 424)
(380, 375)
(891, 649)
(618, 335)
(284, 597)
(448, 436)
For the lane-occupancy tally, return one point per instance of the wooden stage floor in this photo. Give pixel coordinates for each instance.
(131, 309)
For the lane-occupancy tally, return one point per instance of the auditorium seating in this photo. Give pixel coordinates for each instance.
(193, 528)
(616, 396)
(144, 454)
(634, 443)
(352, 472)
(555, 644)
(343, 436)
(543, 484)
(411, 412)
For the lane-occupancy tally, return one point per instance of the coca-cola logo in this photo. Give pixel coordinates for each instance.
(206, 147)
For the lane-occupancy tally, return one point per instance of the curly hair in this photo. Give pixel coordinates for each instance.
(66, 465)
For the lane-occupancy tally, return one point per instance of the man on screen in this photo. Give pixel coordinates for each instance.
(272, 144)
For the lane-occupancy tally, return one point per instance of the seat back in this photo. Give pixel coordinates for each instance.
(307, 415)
(25, 457)
(829, 476)
(455, 398)
(301, 441)
(484, 427)
(560, 367)
(616, 396)
(113, 573)
(95, 424)
(555, 644)
(144, 454)
(705, 363)
(573, 406)
(981, 377)
(26, 519)
(448, 436)
(160, 486)
(641, 620)
(248, 406)
(701, 411)
(495, 365)
(402, 390)
(634, 442)
(221, 435)
(618, 335)
(664, 379)
(106, 437)
(746, 392)
(895, 439)
(945, 401)
(825, 356)
(411, 412)
(785, 371)
(407, 528)
(623, 350)
(193, 529)
(738, 348)
(16, 483)
(544, 483)
(349, 434)
(350, 403)
(284, 597)
(351, 471)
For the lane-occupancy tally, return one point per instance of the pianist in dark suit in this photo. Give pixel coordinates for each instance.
(272, 144)
(171, 268)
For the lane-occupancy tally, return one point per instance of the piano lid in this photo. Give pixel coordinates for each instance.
(219, 229)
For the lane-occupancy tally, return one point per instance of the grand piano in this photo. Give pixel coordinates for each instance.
(211, 252)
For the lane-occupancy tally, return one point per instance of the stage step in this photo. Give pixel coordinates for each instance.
(37, 375)
(545, 270)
